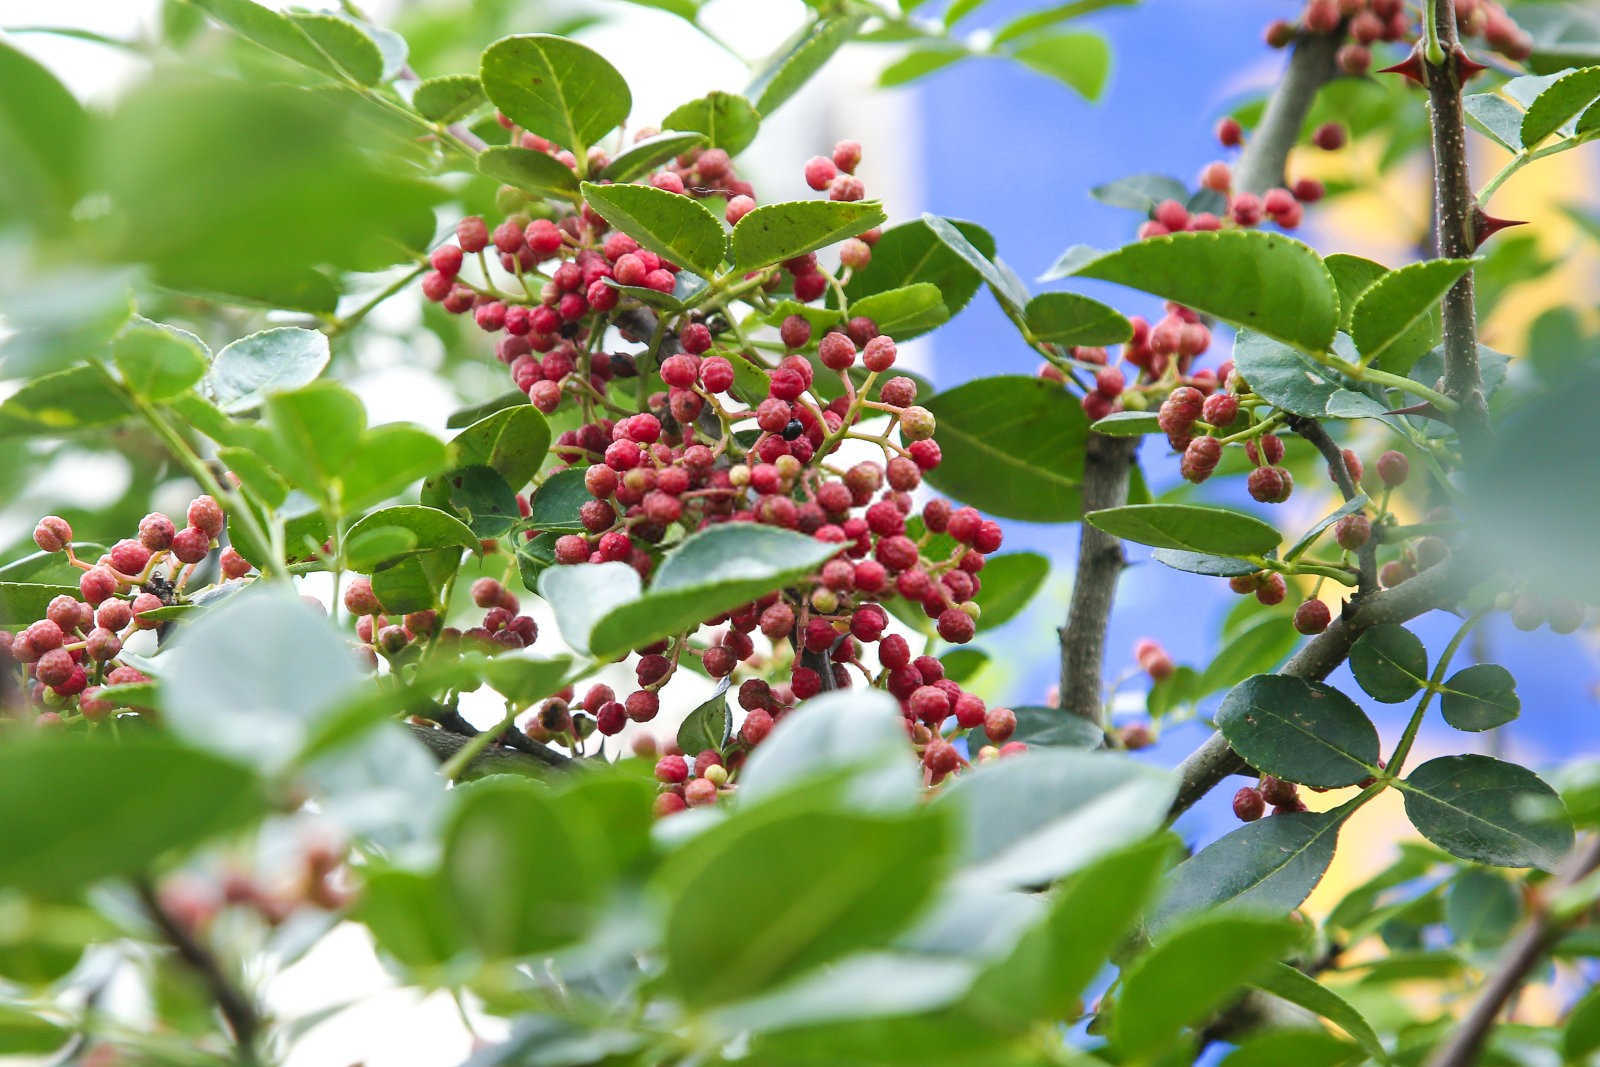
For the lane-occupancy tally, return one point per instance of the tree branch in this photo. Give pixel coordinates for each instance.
(236, 1006)
(1367, 557)
(1311, 66)
(1518, 958)
(1107, 464)
(495, 759)
(1454, 224)
(1434, 588)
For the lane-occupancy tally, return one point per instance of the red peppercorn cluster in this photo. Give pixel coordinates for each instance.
(314, 877)
(1250, 802)
(66, 657)
(502, 628)
(1363, 23)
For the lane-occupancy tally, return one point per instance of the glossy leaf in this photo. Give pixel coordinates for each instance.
(270, 30)
(783, 76)
(172, 798)
(1352, 275)
(1268, 866)
(1255, 650)
(1251, 279)
(641, 157)
(1480, 697)
(1140, 192)
(773, 897)
(1010, 580)
(1295, 986)
(1204, 563)
(1127, 424)
(386, 460)
(555, 504)
(1159, 996)
(555, 87)
(1041, 727)
(1560, 102)
(911, 252)
(530, 170)
(1481, 907)
(1070, 319)
(677, 227)
(904, 312)
(1036, 816)
(1012, 447)
(285, 357)
(430, 528)
(1187, 528)
(1389, 662)
(1395, 321)
(728, 120)
(710, 571)
(513, 441)
(1079, 60)
(776, 232)
(1294, 383)
(1475, 808)
(707, 726)
(1303, 731)
(448, 98)
(1011, 293)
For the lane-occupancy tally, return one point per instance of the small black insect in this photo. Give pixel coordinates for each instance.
(793, 430)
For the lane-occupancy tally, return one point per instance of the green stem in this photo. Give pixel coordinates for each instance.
(1430, 31)
(1384, 378)
(1409, 737)
(475, 746)
(341, 325)
(1522, 159)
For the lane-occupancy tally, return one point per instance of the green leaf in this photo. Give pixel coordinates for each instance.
(905, 312)
(62, 402)
(468, 415)
(1564, 99)
(911, 252)
(919, 63)
(1304, 1047)
(1582, 1034)
(710, 571)
(513, 441)
(1473, 807)
(1253, 651)
(371, 548)
(771, 896)
(791, 68)
(478, 496)
(1140, 192)
(24, 1033)
(1127, 424)
(342, 41)
(519, 869)
(556, 88)
(1013, 446)
(1159, 994)
(641, 157)
(43, 130)
(1394, 321)
(1041, 727)
(833, 732)
(222, 694)
(1081, 61)
(531, 171)
(581, 596)
(707, 726)
(1251, 279)
(316, 430)
(555, 504)
(1006, 288)
(962, 665)
(1070, 319)
(430, 528)
(403, 911)
(1010, 580)
(1188, 528)
(1351, 275)
(1481, 907)
(1059, 956)
(415, 581)
(1268, 866)
(22, 603)
(386, 460)
(1495, 116)
(168, 797)
(1044, 18)
(158, 362)
(448, 98)
(1303, 731)
(727, 119)
(270, 30)
(776, 232)
(248, 369)
(1480, 697)
(677, 227)
(1282, 980)
(1039, 815)
(1309, 538)
(1290, 381)
(1389, 662)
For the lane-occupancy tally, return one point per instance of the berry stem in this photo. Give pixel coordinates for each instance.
(1523, 158)
(1367, 556)
(333, 327)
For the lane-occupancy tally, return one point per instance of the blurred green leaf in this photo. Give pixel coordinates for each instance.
(1010, 581)
(919, 63)
(1481, 907)
(1052, 16)
(43, 134)
(159, 362)
(1081, 61)
(342, 41)
(1268, 866)
(1282, 980)
(795, 64)
(1253, 651)
(448, 98)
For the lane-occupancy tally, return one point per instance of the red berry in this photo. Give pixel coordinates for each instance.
(1393, 469)
(473, 234)
(206, 514)
(1330, 137)
(1229, 132)
(96, 584)
(1352, 531)
(1248, 804)
(820, 170)
(53, 534)
(1312, 617)
(156, 531)
(847, 156)
(1272, 589)
(191, 544)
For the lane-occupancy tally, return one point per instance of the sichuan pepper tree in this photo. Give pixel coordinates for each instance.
(227, 731)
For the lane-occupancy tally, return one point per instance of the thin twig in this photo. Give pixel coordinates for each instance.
(1454, 225)
(236, 1006)
(492, 760)
(1107, 464)
(1519, 957)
